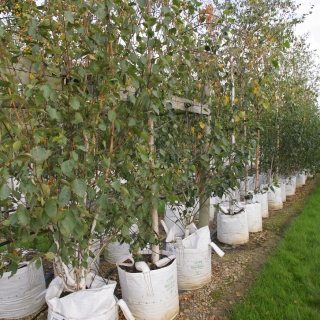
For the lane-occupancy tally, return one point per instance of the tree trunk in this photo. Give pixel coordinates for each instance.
(256, 187)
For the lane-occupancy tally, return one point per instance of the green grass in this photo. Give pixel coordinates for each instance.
(288, 286)
(216, 295)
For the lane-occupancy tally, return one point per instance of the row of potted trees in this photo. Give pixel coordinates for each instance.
(93, 143)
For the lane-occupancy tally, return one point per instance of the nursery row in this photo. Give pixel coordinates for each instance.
(112, 111)
(146, 287)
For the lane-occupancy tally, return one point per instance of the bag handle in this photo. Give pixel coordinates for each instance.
(37, 298)
(180, 257)
(121, 261)
(126, 311)
(218, 251)
(144, 268)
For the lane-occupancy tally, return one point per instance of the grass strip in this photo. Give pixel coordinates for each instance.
(288, 286)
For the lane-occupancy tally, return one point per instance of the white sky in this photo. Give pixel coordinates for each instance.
(312, 22)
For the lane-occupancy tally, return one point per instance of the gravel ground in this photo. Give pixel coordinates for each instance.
(233, 274)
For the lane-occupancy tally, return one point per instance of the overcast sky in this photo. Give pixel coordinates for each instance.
(312, 22)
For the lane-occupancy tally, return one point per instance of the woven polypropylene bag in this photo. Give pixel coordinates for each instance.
(20, 295)
(150, 295)
(96, 303)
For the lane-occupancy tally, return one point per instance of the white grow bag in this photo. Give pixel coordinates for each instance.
(283, 191)
(117, 250)
(194, 259)
(174, 216)
(150, 295)
(232, 229)
(309, 174)
(96, 303)
(275, 199)
(301, 180)
(254, 216)
(263, 199)
(291, 186)
(20, 295)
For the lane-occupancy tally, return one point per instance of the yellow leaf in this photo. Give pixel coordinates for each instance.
(31, 76)
(199, 136)
(236, 118)
(62, 37)
(201, 125)
(255, 90)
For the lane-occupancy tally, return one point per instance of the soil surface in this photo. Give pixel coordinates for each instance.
(232, 275)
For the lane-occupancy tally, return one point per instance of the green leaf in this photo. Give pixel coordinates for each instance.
(22, 157)
(4, 192)
(16, 146)
(59, 216)
(39, 154)
(78, 117)
(165, 9)
(52, 113)
(61, 139)
(46, 190)
(4, 83)
(46, 90)
(132, 122)
(67, 167)
(111, 115)
(124, 65)
(144, 157)
(142, 3)
(287, 44)
(38, 263)
(125, 190)
(50, 255)
(144, 135)
(6, 223)
(22, 214)
(205, 157)
(79, 187)
(125, 231)
(116, 185)
(64, 196)
(74, 103)
(51, 207)
(69, 16)
(275, 63)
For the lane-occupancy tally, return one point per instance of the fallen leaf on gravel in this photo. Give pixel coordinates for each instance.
(239, 294)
